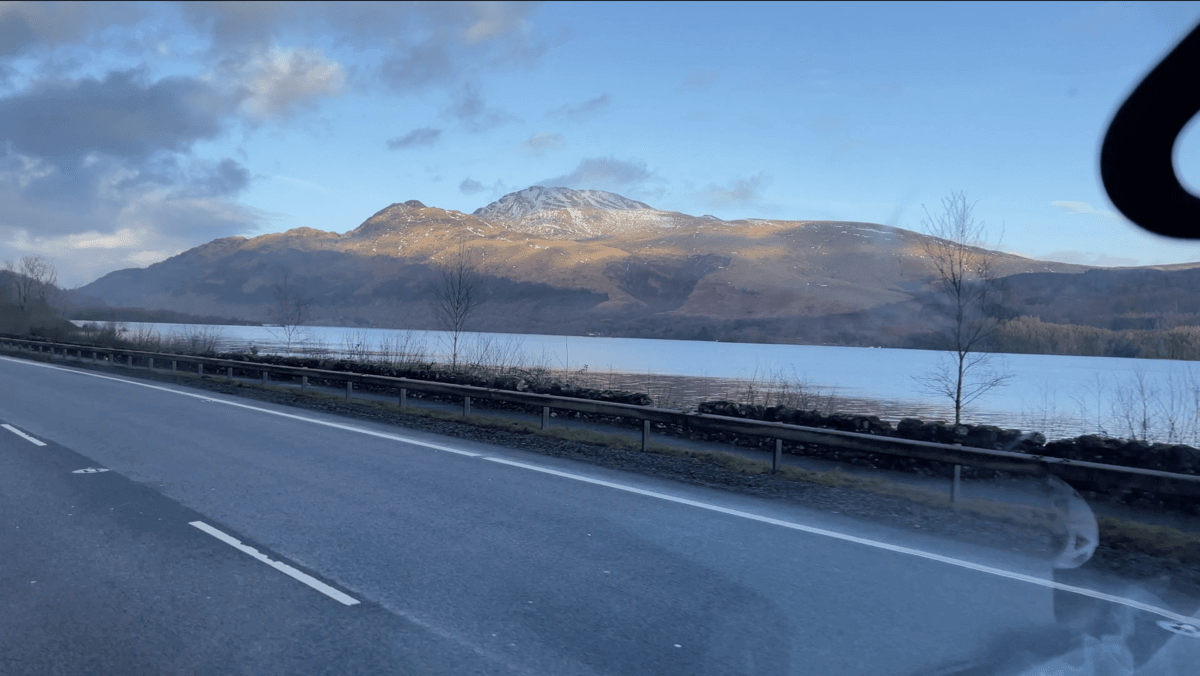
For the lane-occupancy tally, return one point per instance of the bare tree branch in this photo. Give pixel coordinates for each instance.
(457, 293)
(291, 309)
(34, 279)
(968, 294)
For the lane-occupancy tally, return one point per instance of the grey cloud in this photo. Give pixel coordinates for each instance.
(699, 80)
(540, 144)
(424, 44)
(582, 111)
(86, 248)
(603, 172)
(739, 192)
(220, 179)
(118, 116)
(69, 144)
(420, 66)
(427, 44)
(470, 186)
(89, 155)
(420, 137)
(469, 108)
(27, 26)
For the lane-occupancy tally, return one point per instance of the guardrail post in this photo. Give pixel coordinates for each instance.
(266, 377)
(466, 406)
(174, 365)
(303, 383)
(545, 417)
(403, 397)
(229, 373)
(778, 457)
(645, 435)
(200, 369)
(151, 366)
(955, 488)
(349, 390)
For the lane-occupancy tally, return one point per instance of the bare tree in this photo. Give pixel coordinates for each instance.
(291, 310)
(456, 294)
(967, 293)
(34, 279)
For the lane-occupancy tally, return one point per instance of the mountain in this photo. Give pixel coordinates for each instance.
(520, 204)
(574, 261)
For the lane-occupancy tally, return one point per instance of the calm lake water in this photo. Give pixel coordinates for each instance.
(1060, 396)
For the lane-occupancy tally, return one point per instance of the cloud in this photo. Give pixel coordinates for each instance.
(598, 173)
(699, 80)
(469, 108)
(540, 144)
(26, 27)
(470, 186)
(421, 137)
(120, 115)
(218, 179)
(89, 160)
(83, 254)
(85, 152)
(1084, 208)
(412, 45)
(739, 192)
(439, 43)
(280, 81)
(583, 111)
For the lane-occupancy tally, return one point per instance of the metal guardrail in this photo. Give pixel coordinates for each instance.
(1096, 475)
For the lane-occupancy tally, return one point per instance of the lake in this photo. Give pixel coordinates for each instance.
(1058, 395)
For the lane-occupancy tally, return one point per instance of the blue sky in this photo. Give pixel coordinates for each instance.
(136, 131)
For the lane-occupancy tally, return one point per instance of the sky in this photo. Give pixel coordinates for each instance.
(133, 132)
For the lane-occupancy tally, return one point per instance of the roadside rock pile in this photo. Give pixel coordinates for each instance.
(514, 383)
(1175, 458)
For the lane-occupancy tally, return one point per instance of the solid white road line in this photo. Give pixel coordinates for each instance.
(663, 496)
(21, 434)
(209, 399)
(280, 566)
(862, 541)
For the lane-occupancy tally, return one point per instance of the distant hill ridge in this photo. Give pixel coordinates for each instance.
(558, 260)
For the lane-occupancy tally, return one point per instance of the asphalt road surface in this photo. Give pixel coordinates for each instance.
(229, 536)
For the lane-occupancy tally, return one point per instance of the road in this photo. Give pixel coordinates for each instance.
(376, 550)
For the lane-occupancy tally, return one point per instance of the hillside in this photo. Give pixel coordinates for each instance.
(565, 261)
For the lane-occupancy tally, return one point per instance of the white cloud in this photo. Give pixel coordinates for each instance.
(1083, 208)
(279, 81)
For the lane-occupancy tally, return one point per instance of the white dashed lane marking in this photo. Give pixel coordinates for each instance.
(277, 565)
(24, 436)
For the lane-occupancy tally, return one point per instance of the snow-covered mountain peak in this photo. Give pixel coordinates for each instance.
(535, 199)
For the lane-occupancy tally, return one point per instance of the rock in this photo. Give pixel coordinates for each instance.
(982, 436)
(910, 428)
